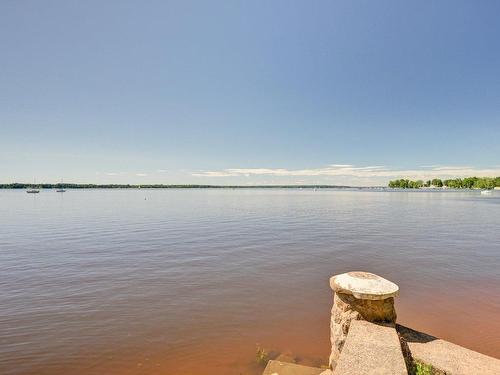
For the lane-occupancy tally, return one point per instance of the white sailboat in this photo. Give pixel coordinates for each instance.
(61, 189)
(33, 189)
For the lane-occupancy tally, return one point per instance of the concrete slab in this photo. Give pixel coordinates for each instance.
(371, 349)
(284, 368)
(446, 357)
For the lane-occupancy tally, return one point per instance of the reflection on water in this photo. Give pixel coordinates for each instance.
(188, 281)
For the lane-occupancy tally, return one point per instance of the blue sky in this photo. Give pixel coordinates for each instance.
(337, 92)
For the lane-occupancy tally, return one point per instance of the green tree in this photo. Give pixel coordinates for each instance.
(437, 182)
(468, 182)
(484, 183)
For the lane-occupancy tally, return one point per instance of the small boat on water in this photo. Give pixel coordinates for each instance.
(61, 189)
(486, 192)
(33, 189)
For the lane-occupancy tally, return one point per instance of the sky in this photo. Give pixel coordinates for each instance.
(248, 92)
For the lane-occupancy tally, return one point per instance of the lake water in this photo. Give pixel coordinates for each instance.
(189, 281)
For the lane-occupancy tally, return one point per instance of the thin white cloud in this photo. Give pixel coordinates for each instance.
(161, 170)
(214, 174)
(112, 173)
(446, 168)
(141, 174)
(353, 171)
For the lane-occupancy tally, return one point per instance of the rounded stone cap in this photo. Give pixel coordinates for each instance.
(364, 285)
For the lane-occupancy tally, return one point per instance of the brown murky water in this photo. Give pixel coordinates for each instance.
(189, 281)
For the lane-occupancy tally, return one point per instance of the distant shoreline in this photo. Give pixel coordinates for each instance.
(19, 186)
(180, 186)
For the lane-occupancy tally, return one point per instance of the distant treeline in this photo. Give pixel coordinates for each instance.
(17, 185)
(456, 183)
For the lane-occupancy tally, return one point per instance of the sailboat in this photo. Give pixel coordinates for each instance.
(33, 189)
(61, 189)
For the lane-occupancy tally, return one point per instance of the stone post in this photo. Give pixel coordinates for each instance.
(358, 296)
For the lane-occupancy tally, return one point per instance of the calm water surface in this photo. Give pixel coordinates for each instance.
(188, 281)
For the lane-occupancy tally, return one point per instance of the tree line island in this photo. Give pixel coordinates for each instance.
(456, 183)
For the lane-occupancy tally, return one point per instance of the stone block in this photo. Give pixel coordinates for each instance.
(371, 349)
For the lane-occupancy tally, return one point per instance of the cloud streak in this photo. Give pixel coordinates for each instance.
(347, 170)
